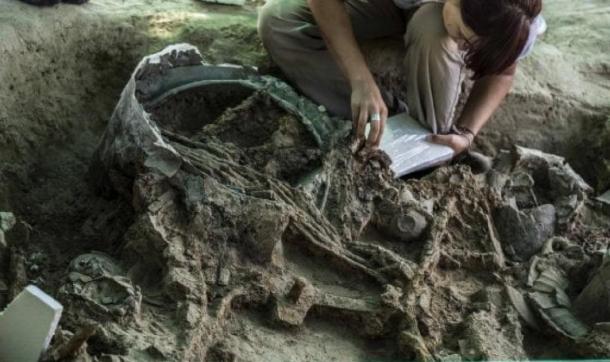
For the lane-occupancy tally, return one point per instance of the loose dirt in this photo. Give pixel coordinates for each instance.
(222, 290)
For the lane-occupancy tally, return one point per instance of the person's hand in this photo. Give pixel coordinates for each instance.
(459, 143)
(367, 101)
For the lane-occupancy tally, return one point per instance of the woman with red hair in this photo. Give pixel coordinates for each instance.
(315, 43)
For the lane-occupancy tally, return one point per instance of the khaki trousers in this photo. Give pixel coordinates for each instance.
(433, 65)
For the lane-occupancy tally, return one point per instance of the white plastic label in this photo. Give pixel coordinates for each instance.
(27, 325)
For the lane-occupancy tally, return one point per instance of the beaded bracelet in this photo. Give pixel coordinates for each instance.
(465, 132)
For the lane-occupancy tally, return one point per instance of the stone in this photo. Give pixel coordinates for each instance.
(27, 325)
(504, 161)
(406, 195)
(346, 304)
(487, 339)
(497, 180)
(96, 286)
(520, 304)
(292, 309)
(565, 181)
(593, 303)
(410, 226)
(605, 198)
(7, 221)
(178, 282)
(264, 241)
(523, 233)
(522, 189)
(478, 162)
(95, 264)
(428, 206)
(488, 299)
(551, 171)
(224, 277)
(402, 221)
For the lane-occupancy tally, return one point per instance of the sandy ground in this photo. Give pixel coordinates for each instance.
(63, 68)
(562, 92)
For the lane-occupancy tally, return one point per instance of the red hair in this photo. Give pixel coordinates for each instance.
(503, 28)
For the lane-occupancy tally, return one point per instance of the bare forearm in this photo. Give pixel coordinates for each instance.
(334, 22)
(487, 95)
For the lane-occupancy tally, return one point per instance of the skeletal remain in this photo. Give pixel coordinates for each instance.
(95, 282)
(178, 149)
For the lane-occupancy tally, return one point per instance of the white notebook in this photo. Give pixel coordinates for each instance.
(404, 141)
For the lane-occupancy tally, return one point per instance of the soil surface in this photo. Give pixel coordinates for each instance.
(63, 70)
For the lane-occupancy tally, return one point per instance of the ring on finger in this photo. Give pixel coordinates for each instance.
(376, 117)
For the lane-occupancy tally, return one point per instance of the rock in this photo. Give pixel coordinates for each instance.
(155, 353)
(179, 283)
(292, 309)
(94, 265)
(593, 303)
(264, 236)
(504, 161)
(478, 162)
(391, 297)
(17, 273)
(224, 276)
(521, 187)
(96, 288)
(409, 226)
(487, 340)
(551, 171)
(106, 297)
(521, 306)
(497, 180)
(428, 206)
(346, 304)
(565, 181)
(523, 233)
(488, 299)
(406, 195)
(401, 221)
(605, 198)
(7, 221)
(556, 243)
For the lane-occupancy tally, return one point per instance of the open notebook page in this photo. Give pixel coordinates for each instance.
(404, 141)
